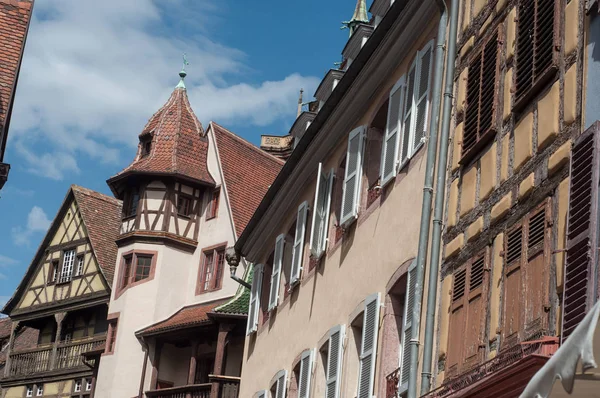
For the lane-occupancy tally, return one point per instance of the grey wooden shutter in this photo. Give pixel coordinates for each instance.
(409, 303)
(298, 251)
(368, 354)
(317, 218)
(408, 115)
(281, 384)
(325, 224)
(421, 109)
(276, 273)
(352, 180)
(582, 234)
(262, 394)
(252, 324)
(306, 364)
(389, 151)
(334, 361)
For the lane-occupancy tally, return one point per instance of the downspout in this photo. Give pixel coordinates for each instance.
(438, 211)
(427, 198)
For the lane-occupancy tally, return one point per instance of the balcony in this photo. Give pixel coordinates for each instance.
(227, 387)
(66, 356)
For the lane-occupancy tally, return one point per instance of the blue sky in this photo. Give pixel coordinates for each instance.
(94, 72)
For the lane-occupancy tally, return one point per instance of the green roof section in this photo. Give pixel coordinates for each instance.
(239, 303)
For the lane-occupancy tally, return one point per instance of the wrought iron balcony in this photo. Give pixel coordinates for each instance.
(61, 356)
(391, 384)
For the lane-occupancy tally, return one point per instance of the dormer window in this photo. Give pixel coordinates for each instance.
(146, 146)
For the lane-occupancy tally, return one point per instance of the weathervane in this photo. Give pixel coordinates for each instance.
(183, 73)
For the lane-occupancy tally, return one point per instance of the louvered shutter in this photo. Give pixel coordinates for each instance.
(254, 299)
(276, 273)
(422, 94)
(298, 251)
(389, 151)
(281, 384)
(409, 303)
(352, 180)
(262, 394)
(582, 234)
(322, 207)
(457, 322)
(317, 215)
(334, 361)
(324, 227)
(306, 364)
(513, 287)
(368, 355)
(408, 115)
(475, 311)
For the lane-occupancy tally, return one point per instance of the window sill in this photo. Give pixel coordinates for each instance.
(406, 161)
(477, 149)
(201, 292)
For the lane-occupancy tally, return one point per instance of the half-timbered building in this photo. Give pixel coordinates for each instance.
(176, 319)
(62, 301)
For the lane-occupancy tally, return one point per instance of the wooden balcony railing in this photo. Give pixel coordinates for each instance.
(229, 386)
(189, 391)
(39, 360)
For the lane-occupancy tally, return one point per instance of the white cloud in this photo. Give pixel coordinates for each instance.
(37, 221)
(94, 72)
(7, 261)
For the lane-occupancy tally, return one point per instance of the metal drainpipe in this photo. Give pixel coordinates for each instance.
(427, 198)
(438, 211)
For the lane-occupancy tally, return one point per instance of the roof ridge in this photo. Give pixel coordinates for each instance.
(249, 144)
(91, 192)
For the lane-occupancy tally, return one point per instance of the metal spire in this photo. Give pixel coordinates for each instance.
(182, 73)
(359, 16)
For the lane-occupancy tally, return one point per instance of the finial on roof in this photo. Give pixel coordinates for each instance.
(360, 16)
(182, 73)
(300, 102)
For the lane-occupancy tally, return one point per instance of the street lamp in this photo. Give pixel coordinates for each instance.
(233, 259)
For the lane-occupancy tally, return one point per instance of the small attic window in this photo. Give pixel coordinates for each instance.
(146, 146)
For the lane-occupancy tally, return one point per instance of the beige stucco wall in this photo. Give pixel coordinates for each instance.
(384, 239)
(173, 287)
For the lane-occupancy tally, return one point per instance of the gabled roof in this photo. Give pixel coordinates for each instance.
(179, 145)
(189, 316)
(101, 216)
(248, 172)
(15, 16)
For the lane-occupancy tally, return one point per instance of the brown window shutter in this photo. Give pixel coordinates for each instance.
(537, 271)
(582, 232)
(513, 287)
(457, 323)
(476, 312)
(537, 42)
(480, 112)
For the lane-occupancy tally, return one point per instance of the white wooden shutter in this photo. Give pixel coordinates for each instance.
(323, 231)
(389, 151)
(334, 361)
(316, 219)
(424, 58)
(409, 303)
(254, 299)
(280, 390)
(276, 273)
(321, 209)
(368, 354)
(306, 364)
(352, 180)
(298, 251)
(408, 115)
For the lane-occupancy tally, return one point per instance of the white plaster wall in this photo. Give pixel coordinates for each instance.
(174, 364)
(381, 243)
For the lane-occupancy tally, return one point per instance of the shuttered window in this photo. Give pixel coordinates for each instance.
(353, 177)
(278, 390)
(298, 251)
(276, 273)
(409, 304)
(254, 299)
(526, 275)
(391, 141)
(415, 114)
(467, 315)
(306, 365)
(334, 361)
(321, 210)
(537, 47)
(368, 351)
(480, 112)
(582, 235)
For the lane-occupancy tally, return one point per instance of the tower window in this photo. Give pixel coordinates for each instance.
(131, 203)
(184, 205)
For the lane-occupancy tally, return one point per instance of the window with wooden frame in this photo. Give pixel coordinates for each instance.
(468, 314)
(213, 204)
(82, 387)
(132, 200)
(53, 272)
(480, 112)
(184, 204)
(68, 263)
(80, 265)
(136, 267)
(538, 44)
(527, 254)
(111, 335)
(211, 274)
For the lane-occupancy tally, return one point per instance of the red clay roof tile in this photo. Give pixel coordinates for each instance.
(248, 172)
(192, 315)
